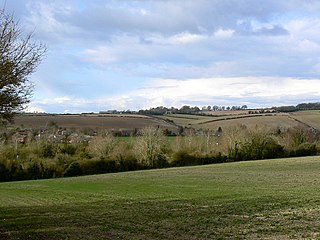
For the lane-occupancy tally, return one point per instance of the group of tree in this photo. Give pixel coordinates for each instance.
(164, 110)
(299, 107)
(189, 109)
(224, 108)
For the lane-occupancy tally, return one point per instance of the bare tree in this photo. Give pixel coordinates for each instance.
(19, 57)
(150, 146)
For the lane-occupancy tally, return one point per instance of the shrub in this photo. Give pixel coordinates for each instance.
(304, 149)
(256, 147)
(183, 158)
(67, 148)
(34, 171)
(48, 150)
(74, 169)
(129, 164)
(4, 172)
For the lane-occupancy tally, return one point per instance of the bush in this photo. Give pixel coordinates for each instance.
(99, 166)
(304, 149)
(48, 150)
(74, 169)
(182, 158)
(4, 172)
(67, 148)
(34, 171)
(256, 147)
(130, 164)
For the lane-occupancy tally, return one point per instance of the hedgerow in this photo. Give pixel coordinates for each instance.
(106, 153)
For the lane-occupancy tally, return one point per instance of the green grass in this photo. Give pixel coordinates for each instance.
(271, 199)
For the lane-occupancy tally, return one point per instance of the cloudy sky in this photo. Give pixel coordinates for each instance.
(121, 54)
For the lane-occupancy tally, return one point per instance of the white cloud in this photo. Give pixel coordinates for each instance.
(107, 48)
(101, 55)
(253, 91)
(185, 37)
(224, 33)
(34, 109)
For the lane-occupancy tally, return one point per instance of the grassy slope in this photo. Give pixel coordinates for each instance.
(274, 199)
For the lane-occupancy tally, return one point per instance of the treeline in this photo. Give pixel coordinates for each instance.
(196, 110)
(164, 110)
(189, 110)
(299, 107)
(151, 149)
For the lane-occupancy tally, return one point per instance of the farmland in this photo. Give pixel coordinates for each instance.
(274, 120)
(39, 147)
(213, 120)
(94, 121)
(268, 199)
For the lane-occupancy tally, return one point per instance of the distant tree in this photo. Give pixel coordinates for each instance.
(19, 57)
(215, 108)
(185, 109)
(244, 107)
(195, 110)
(308, 106)
(286, 109)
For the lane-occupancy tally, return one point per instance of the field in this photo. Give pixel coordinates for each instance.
(273, 120)
(311, 118)
(93, 121)
(222, 119)
(269, 199)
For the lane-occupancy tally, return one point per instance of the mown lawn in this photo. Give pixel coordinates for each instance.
(272, 199)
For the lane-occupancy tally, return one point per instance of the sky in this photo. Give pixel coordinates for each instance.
(131, 55)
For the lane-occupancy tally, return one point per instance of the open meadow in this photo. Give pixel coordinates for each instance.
(267, 199)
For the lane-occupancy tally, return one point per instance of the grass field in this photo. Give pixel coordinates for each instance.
(270, 199)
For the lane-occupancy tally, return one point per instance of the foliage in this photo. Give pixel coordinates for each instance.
(19, 57)
(74, 169)
(151, 149)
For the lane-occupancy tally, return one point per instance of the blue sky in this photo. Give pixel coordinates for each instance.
(134, 55)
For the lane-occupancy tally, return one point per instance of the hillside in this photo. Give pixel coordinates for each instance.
(270, 199)
(93, 121)
(271, 120)
(172, 121)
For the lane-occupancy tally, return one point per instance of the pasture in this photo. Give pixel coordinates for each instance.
(269, 199)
